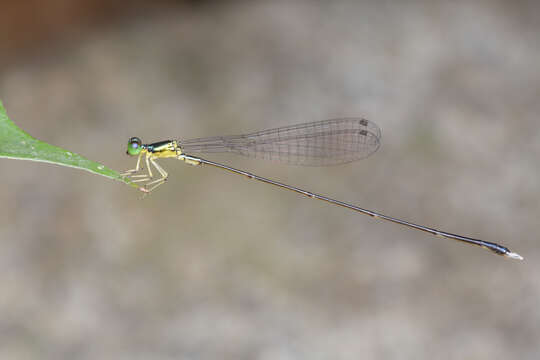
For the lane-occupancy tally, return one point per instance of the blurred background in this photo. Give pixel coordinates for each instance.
(212, 266)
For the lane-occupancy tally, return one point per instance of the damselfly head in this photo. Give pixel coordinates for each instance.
(134, 146)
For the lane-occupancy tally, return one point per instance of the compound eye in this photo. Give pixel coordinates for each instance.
(134, 146)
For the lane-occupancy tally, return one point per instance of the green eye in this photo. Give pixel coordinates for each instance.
(134, 146)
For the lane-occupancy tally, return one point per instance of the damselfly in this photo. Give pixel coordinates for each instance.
(321, 143)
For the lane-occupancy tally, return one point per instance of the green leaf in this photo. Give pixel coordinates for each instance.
(17, 144)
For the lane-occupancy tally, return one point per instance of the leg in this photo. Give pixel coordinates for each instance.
(134, 171)
(159, 181)
(148, 155)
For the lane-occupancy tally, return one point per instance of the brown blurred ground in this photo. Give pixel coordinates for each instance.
(212, 266)
(32, 25)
